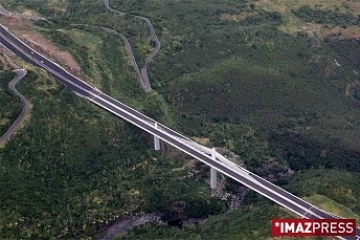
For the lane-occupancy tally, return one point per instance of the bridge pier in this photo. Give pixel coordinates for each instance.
(156, 140)
(213, 172)
(213, 178)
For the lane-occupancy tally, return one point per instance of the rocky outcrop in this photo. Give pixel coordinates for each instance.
(274, 171)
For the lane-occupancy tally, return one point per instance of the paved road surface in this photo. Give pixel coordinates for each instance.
(20, 73)
(154, 38)
(107, 5)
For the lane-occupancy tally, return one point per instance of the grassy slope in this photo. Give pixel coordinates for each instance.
(339, 186)
(332, 206)
(102, 57)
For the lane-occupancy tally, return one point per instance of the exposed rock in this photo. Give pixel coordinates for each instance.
(237, 199)
(125, 224)
(274, 171)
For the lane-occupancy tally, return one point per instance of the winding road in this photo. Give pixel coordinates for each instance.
(142, 75)
(20, 73)
(154, 38)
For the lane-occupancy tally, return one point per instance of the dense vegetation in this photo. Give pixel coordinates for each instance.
(251, 221)
(285, 85)
(244, 84)
(74, 168)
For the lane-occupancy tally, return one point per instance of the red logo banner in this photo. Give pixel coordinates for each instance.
(282, 227)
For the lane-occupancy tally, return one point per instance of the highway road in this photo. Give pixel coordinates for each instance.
(20, 73)
(254, 182)
(33, 57)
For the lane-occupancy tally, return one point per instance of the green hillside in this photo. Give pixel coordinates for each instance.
(297, 89)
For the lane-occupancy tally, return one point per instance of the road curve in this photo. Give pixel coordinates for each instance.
(128, 50)
(107, 5)
(154, 38)
(20, 73)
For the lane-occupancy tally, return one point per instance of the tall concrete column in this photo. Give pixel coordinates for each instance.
(213, 178)
(213, 172)
(156, 140)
